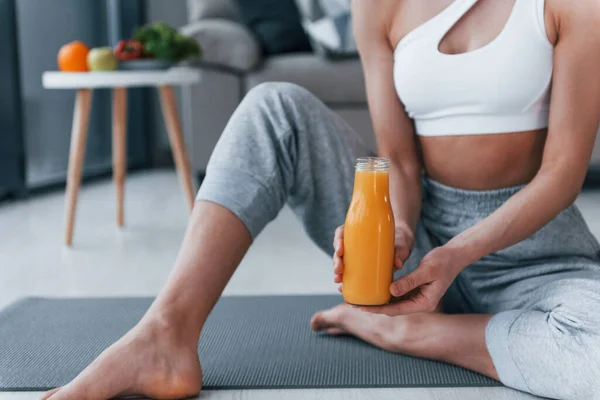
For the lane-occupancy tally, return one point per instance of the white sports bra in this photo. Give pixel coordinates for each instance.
(501, 87)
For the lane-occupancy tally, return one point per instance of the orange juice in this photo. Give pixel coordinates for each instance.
(369, 236)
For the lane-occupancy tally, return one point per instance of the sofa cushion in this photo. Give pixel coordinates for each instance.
(276, 24)
(339, 82)
(219, 9)
(225, 43)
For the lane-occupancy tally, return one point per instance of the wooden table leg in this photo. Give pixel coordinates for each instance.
(119, 148)
(182, 163)
(83, 102)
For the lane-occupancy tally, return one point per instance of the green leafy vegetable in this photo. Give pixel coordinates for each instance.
(163, 42)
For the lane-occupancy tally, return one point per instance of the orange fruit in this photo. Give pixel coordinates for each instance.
(72, 57)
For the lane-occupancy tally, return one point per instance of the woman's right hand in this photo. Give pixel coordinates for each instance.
(403, 242)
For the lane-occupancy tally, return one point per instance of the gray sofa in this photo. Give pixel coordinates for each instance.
(232, 65)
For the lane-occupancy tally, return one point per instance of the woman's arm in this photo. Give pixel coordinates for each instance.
(573, 125)
(393, 128)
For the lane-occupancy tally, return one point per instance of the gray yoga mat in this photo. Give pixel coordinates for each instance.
(248, 342)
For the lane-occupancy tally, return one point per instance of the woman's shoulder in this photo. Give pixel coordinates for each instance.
(562, 16)
(388, 17)
(381, 14)
(372, 21)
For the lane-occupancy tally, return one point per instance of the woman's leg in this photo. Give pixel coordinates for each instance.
(282, 144)
(549, 346)
(456, 339)
(551, 349)
(544, 292)
(158, 357)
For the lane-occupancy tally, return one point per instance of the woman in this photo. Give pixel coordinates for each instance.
(462, 91)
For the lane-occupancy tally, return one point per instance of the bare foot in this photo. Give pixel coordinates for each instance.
(150, 360)
(389, 333)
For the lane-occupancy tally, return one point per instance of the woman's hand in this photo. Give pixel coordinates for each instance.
(422, 289)
(403, 243)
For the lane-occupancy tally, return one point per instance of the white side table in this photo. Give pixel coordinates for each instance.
(119, 81)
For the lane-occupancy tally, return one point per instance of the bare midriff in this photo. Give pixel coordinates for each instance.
(483, 162)
(369, 241)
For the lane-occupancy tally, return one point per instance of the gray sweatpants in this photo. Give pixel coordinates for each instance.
(283, 146)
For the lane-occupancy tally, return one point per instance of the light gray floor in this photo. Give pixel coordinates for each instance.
(135, 261)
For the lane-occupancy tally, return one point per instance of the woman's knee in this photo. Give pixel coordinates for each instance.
(579, 359)
(286, 105)
(284, 115)
(262, 119)
(269, 91)
(573, 325)
(572, 343)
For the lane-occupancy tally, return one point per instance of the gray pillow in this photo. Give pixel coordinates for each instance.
(225, 43)
(328, 24)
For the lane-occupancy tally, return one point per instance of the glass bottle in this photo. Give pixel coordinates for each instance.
(369, 236)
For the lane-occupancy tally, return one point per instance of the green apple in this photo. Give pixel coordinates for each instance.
(102, 59)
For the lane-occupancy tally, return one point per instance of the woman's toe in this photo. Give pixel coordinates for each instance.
(319, 321)
(332, 318)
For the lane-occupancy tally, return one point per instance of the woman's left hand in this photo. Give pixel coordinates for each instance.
(422, 289)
